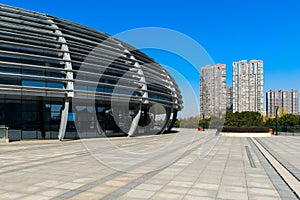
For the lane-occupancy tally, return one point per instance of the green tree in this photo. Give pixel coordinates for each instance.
(251, 119)
(231, 119)
(177, 123)
(204, 123)
(243, 119)
(216, 122)
(289, 120)
(190, 122)
(270, 122)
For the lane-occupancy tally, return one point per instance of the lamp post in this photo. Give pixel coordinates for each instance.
(276, 118)
(203, 121)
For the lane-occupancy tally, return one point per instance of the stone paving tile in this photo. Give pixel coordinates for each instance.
(257, 197)
(262, 191)
(12, 195)
(224, 173)
(232, 195)
(206, 186)
(202, 193)
(87, 196)
(32, 189)
(232, 189)
(183, 184)
(131, 198)
(190, 197)
(115, 183)
(211, 180)
(50, 183)
(83, 180)
(256, 184)
(33, 197)
(139, 194)
(103, 189)
(163, 195)
(53, 192)
(175, 189)
(149, 187)
(156, 180)
(69, 186)
(185, 178)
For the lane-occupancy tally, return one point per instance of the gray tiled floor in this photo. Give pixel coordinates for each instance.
(286, 150)
(207, 167)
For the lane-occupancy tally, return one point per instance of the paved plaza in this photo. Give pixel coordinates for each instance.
(183, 165)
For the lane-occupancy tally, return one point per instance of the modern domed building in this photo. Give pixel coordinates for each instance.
(62, 80)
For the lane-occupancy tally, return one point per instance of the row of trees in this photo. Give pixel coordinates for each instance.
(190, 122)
(240, 119)
(251, 119)
(284, 120)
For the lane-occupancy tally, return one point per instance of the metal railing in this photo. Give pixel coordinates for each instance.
(287, 130)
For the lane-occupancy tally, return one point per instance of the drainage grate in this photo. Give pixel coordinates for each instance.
(251, 161)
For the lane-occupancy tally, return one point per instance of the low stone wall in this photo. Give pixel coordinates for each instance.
(232, 134)
(244, 129)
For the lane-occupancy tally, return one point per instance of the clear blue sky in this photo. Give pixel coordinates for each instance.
(229, 30)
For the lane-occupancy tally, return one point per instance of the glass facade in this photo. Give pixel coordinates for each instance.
(30, 119)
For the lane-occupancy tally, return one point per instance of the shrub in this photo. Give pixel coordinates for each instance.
(246, 129)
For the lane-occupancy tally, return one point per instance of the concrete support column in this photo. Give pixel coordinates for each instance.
(143, 90)
(63, 120)
(174, 118)
(69, 79)
(42, 119)
(168, 115)
(135, 122)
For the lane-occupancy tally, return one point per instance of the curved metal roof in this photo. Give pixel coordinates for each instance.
(44, 55)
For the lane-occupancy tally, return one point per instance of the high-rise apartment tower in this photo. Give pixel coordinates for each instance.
(247, 86)
(213, 91)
